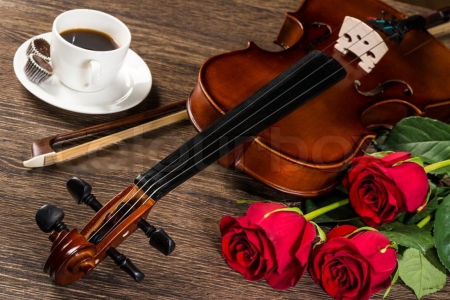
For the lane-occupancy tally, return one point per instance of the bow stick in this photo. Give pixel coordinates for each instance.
(440, 30)
(43, 154)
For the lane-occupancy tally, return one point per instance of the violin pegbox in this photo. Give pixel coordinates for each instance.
(360, 39)
(75, 254)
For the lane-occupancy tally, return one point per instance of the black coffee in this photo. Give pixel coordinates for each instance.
(90, 39)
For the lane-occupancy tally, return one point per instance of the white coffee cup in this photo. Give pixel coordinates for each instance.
(82, 69)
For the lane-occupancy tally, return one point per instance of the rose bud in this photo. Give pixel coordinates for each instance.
(353, 265)
(270, 244)
(381, 189)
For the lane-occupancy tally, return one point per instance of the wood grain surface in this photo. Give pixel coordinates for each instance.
(174, 38)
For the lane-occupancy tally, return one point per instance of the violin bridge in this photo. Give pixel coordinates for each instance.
(360, 39)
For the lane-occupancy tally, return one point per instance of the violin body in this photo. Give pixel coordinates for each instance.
(306, 153)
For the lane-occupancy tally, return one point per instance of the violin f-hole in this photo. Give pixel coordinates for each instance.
(290, 33)
(327, 30)
(383, 87)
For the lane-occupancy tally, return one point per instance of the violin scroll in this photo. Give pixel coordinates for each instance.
(72, 256)
(75, 254)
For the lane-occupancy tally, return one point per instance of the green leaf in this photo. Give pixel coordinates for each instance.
(442, 232)
(409, 236)
(419, 274)
(379, 154)
(414, 159)
(423, 137)
(441, 191)
(433, 258)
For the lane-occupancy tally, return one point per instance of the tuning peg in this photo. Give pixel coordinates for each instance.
(49, 218)
(125, 264)
(159, 239)
(80, 191)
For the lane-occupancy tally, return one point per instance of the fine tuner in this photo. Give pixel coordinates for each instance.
(49, 219)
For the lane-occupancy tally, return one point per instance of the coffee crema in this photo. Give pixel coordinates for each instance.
(90, 39)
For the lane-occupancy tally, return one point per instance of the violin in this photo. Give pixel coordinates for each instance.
(330, 88)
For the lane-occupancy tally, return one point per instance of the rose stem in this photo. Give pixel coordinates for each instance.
(424, 221)
(318, 212)
(438, 165)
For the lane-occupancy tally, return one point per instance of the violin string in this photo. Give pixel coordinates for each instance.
(148, 180)
(418, 47)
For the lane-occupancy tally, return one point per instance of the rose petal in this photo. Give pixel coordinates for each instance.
(340, 269)
(276, 243)
(241, 248)
(242, 257)
(256, 213)
(341, 231)
(412, 180)
(393, 158)
(293, 237)
(383, 263)
(356, 272)
(375, 196)
(358, 165)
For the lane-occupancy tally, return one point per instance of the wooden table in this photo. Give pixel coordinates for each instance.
(174, 38)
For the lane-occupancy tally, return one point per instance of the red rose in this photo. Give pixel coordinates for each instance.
(268, 244)
(381, 189)
(353, 265)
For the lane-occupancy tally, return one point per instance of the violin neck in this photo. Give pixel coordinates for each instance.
(310, 76)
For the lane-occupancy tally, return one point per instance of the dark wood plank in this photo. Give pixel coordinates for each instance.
(174, 37)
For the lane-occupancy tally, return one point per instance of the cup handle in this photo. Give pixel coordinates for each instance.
(94, 71)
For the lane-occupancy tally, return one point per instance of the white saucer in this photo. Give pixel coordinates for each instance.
(128, 89)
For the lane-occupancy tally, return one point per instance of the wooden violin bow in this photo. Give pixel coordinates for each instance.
(43, 153)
